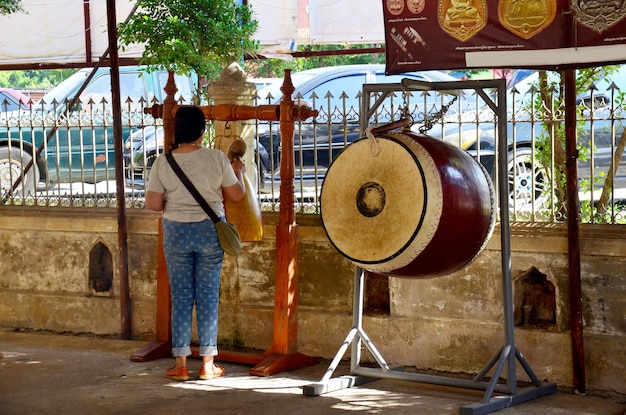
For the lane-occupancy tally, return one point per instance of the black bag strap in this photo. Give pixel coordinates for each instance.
(194, 192)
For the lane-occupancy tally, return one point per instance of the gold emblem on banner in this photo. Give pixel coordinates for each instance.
(462, 19)
(395, 7)
(526, 18)
(598, 15)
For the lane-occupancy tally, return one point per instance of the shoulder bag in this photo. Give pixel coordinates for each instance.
(226, 232)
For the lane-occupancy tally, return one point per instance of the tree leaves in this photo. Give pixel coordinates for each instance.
(202, 36)
(10, 6)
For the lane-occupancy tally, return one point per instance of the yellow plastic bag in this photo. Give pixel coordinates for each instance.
(245, 214)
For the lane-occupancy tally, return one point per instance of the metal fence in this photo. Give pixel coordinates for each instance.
(53, 157)
(68, 160)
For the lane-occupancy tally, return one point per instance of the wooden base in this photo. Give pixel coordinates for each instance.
(231, 356)
(152, 351)
(263, 365)
(277, 363)
(244, 358)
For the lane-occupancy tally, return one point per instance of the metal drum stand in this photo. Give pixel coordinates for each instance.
(497, 396)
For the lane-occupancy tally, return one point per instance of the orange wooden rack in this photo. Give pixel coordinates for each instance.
(282, 356)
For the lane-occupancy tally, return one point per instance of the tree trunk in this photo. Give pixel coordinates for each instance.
(603, 202)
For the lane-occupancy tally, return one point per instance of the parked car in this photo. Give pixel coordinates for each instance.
(143, 146)
(528, 179)
(335, 88)
(76, 144)
(474, 130)
(13, 100)
(336, 93)
(345, 81)
(263, 82)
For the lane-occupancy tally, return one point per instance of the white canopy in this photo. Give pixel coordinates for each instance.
(55, 32)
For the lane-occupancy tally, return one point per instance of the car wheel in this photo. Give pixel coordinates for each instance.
(527, 182)
(12, 165)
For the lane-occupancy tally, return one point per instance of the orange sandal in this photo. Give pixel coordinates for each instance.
(177, 373)
(217, 372)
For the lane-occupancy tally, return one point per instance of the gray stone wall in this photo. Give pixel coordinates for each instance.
(452, 323)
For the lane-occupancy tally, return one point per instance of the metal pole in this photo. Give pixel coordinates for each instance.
(573, 234)
(505, 233)
(122, 231)
(87, 18)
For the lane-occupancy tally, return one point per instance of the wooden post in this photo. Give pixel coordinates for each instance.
(162, 346)
(122, 229)
(282, 355)
(286, 295)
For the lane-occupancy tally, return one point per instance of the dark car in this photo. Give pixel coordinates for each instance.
(333, 91)
(141, 148)
(336, 93)
(473, 128)
(145, 144)
(338, 88)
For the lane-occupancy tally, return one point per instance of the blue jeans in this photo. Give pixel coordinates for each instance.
(194, 263)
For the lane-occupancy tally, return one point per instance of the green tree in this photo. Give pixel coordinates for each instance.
(10, 6)
(34, 79)
(185, 36)
(551, 143)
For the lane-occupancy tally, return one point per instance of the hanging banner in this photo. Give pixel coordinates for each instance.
(458, 34)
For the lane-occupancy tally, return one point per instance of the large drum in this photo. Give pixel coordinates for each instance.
(407, 205)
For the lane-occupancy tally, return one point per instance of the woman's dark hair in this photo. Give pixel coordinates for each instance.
(189, 124)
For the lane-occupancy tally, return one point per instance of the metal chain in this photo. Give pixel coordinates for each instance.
(430, 122)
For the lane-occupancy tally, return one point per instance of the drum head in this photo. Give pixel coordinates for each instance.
(381, 202)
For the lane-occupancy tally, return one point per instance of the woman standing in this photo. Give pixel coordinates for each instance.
(192, 251)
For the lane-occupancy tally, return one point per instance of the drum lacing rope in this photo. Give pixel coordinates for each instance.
(374, 149)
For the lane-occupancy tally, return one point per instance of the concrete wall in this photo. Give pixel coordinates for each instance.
(451, 323)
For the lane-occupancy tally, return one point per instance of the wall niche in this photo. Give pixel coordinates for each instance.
(100, 270)
(534, 300)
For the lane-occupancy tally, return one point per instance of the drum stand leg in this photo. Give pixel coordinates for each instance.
(354, 338)
(510, 394)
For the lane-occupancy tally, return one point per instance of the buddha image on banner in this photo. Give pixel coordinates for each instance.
(526, 18)
(462, 19)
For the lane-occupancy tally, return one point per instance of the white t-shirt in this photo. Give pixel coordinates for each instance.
(208, 169)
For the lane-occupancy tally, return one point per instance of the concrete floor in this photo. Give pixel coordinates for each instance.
(53, 374)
